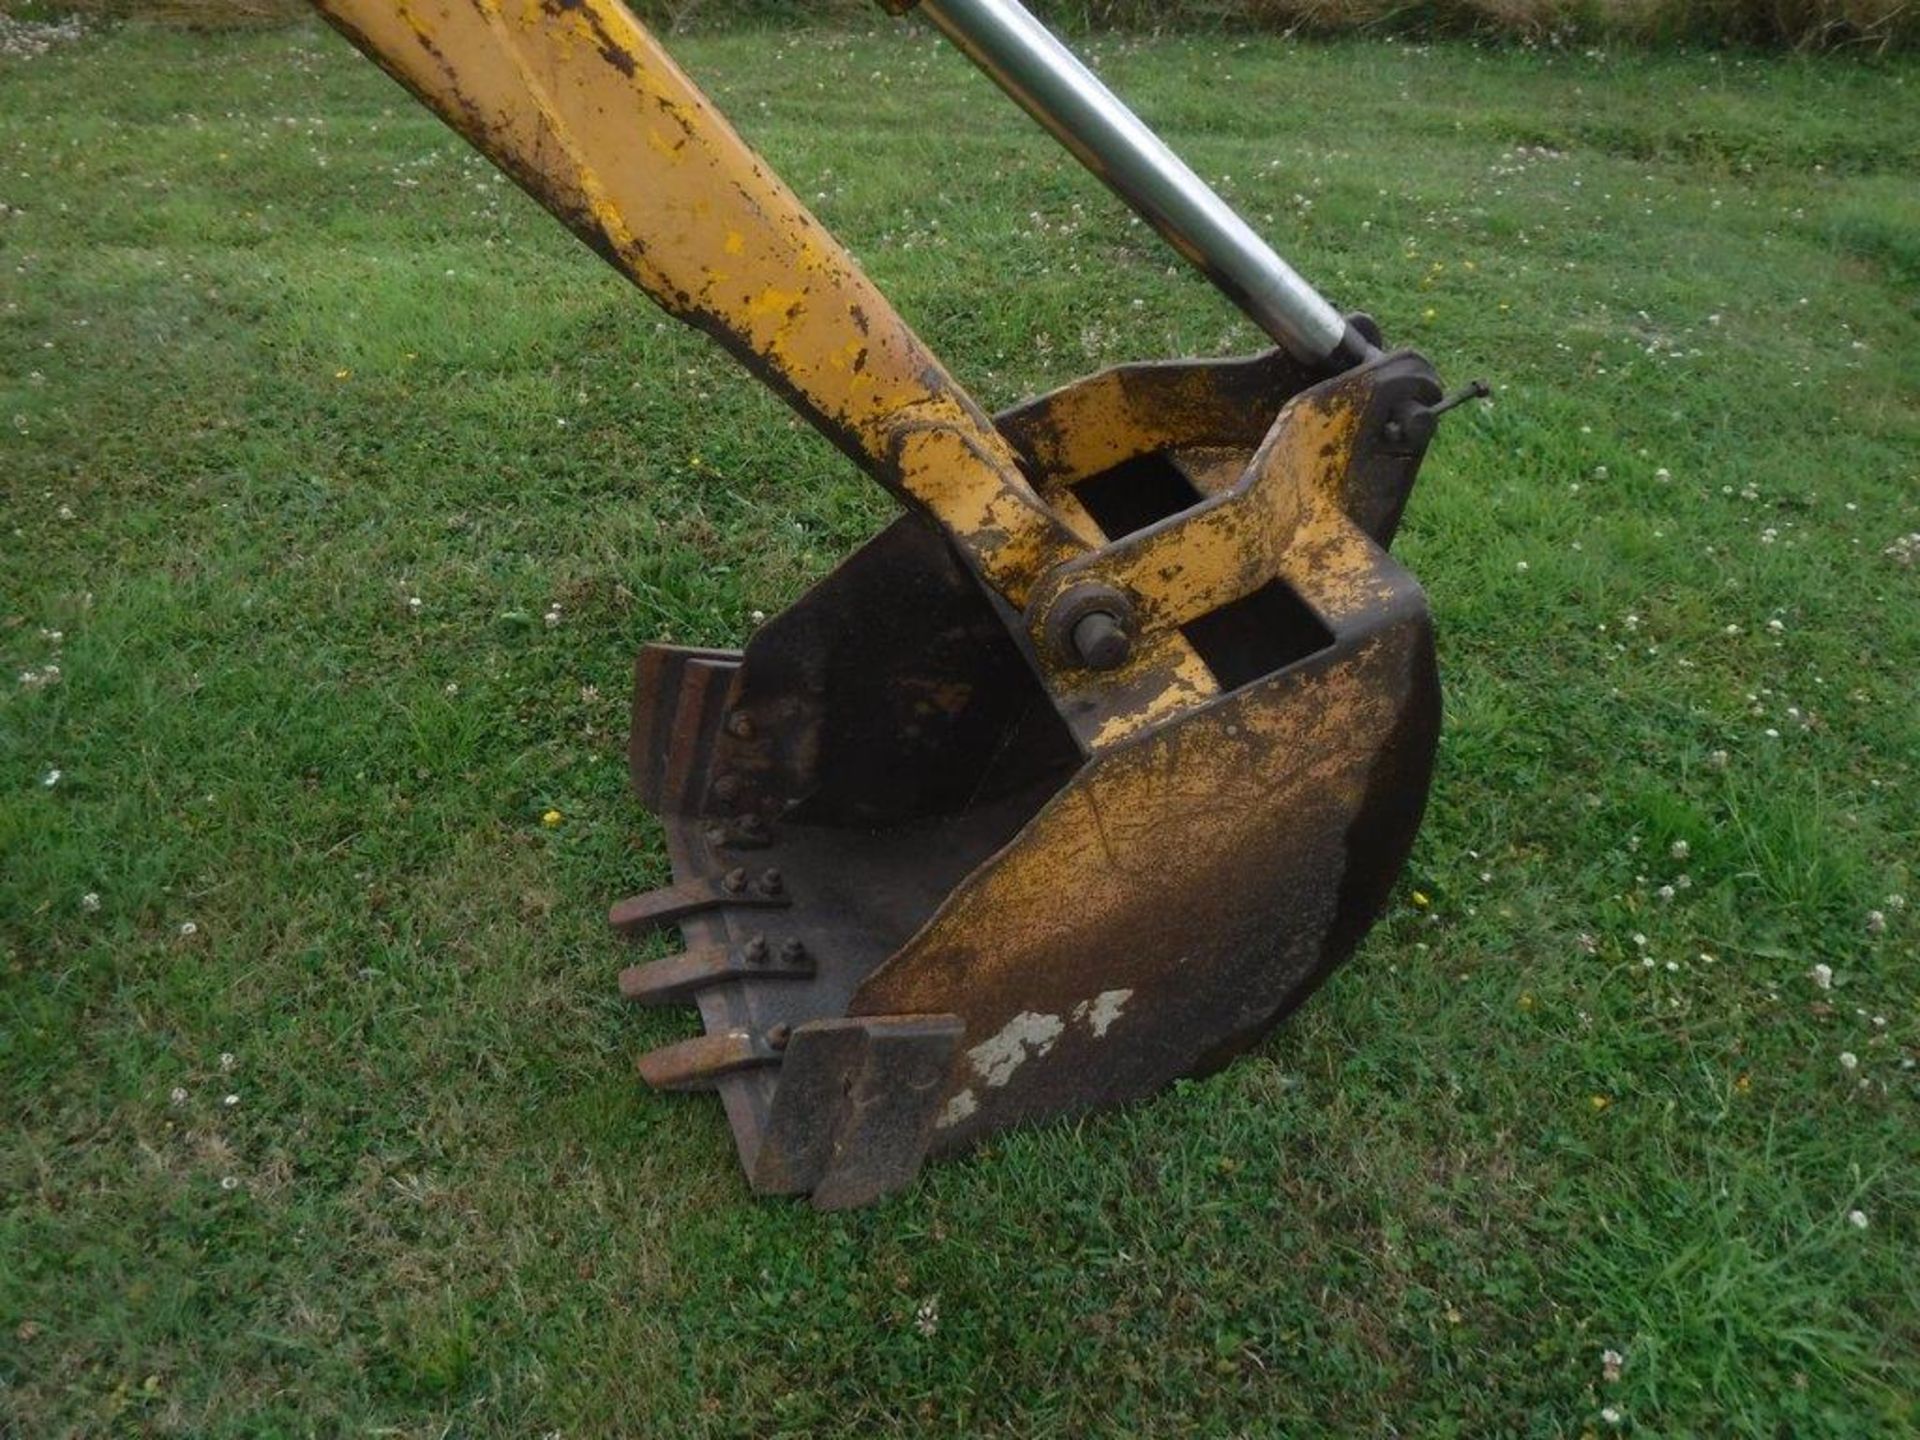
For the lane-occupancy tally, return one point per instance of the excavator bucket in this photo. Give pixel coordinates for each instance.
(1085, 771)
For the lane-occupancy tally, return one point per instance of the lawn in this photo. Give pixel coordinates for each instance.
(341, 486)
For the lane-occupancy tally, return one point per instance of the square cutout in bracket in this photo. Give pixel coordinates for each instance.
(1136, 493)
(1252, 637)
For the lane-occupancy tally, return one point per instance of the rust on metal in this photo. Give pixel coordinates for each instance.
(680, 977)
(704, 1061)
(638, 914)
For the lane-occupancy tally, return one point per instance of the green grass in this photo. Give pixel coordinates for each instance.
(278, 354)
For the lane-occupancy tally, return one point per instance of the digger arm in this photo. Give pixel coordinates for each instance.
(579, 104)
(1076, 796)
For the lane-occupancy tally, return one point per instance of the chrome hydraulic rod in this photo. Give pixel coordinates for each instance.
(1024, 59)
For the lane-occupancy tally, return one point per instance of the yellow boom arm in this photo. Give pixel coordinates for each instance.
(579, 104)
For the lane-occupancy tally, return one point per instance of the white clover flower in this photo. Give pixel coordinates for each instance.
(230, 1101)
(1777, 626)
(177, 1095)
(415, 604)
(1857, 1219)
(1680, 850)
(1876, 923)
(1849, 1060)
(1665, 892)
(90, 901)
(226, 1060)
(1822, 976)
(1718, 759)
(1612, 1415)
(51, 778)
(927, 1318)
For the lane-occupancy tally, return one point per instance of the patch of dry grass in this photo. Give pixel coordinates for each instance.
(1873, 26)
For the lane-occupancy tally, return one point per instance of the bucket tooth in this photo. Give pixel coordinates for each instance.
(678, 692)
(857, 1103)
(671, 903)
(705, 1060)
(680, 977)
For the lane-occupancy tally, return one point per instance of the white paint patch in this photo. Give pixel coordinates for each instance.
(1026, 1035)
(958, 1109)
(1101, 1011)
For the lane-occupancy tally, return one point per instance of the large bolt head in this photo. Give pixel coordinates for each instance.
(1090, 625)
(1100, 642)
